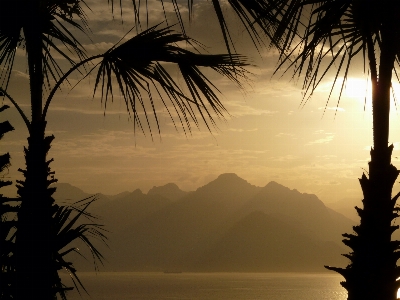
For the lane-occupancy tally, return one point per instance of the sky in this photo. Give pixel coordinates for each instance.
(320, 148)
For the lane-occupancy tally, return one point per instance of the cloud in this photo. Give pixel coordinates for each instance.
(326, 157)
(324, 140)
(281, 134)
(238, 108)
(326, 182)
(241, 130)
(285, 158)
(95, 48)
(279, 88)
(332, 108)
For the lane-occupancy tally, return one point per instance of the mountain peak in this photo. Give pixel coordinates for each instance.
(227, 183)
(137, 192)
(274, 185)
(168, 186)
(230, 179)
(66, 191)
(169, 190)
(228, 176)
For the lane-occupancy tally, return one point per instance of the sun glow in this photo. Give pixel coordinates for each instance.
(358, 88)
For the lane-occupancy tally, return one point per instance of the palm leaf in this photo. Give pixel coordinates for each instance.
(138, 64)
(331, 38)
(337, 31)
(59, 15)
(69, 227)
(10, 37)
(8, 208)
(257, 16)
(53, 16)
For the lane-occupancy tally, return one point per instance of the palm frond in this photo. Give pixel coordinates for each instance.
(57, 22)
(330, 40)
(55, 19)
(8, 208)
(5, 127)
(257, 16)
(139, 64)
(70, 228)
(10, 37)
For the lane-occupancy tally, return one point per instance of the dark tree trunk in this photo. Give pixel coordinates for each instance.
(35, 257)
(372, 272)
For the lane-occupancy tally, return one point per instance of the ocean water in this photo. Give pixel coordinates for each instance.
(209, 286)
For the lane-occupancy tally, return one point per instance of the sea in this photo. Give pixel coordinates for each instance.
(208, 286)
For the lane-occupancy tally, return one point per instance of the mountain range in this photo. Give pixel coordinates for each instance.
(225, 225)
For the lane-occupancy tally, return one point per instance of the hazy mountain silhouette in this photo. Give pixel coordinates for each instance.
(260, 242)
(346, 206)
(67, 192)
(226, 225)
(118, 196)
(172, 237)
(129, 209)
(303, 211)
(170, 191)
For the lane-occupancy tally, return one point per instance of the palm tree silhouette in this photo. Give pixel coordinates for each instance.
(7, 224)
(315, 37)
(134, 67)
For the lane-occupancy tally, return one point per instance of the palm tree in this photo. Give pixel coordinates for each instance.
(67, 229)
(7, 224)
(134, 67)
(315, 37)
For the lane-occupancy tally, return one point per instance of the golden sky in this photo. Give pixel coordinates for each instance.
(316, 148)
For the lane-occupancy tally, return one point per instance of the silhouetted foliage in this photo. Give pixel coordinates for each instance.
(63, 227)
(315, 37)
(46, 29)
(7, 225)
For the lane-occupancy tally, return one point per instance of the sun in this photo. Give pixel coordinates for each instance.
(358, 88)
(361, 90)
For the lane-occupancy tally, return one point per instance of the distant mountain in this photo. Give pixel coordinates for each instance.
(173, 236)
(170, 191)
(261, 242)
(304, 211)
(67, 192)
(117, 196)
(127, 210)
(225, 225)
(346, 206)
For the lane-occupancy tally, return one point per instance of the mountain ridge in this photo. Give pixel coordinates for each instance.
(241, 226)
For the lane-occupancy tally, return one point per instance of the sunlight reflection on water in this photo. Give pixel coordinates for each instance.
(211, 286)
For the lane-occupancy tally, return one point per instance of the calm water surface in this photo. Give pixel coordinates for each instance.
(210, 286)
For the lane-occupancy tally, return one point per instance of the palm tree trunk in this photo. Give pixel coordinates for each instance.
(35, 264)
(372, 272)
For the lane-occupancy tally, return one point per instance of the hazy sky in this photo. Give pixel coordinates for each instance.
(268, 136)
